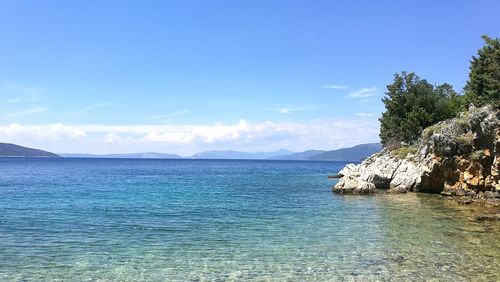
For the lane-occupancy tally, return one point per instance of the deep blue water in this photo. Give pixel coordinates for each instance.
(215, 220)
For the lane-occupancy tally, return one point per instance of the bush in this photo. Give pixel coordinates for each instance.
(463, 123)
(465, 140)
(413, 104)
(429, 131)
(404, 152)
(476, 155)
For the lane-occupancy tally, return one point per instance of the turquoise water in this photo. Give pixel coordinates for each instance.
(211, 220)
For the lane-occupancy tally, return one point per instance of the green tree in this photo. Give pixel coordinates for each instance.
(483, 86)
(411, 105)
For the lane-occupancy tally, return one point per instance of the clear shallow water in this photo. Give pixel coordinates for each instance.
(178, 220)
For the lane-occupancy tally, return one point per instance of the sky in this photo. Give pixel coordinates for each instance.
(188, 76)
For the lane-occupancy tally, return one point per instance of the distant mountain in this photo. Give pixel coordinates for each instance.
(148, 155)
(228, 154)
(356, 153)
(302, 156)
(11, 150)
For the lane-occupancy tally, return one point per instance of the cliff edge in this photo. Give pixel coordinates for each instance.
(458, 157)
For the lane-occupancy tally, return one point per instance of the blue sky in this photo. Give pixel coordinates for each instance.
(187, 76)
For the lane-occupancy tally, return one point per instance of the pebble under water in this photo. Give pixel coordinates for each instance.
(224, 220)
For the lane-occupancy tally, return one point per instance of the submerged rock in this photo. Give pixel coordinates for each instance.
(459, 157)
(488, 217)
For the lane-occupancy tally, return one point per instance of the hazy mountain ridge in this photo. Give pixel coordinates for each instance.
(356, 153)
(12, 150)
(229, 154)
(300, 156)
(148, 155)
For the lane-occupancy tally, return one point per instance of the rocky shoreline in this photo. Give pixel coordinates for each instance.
(458, 158)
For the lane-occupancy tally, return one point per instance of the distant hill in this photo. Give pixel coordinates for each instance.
(148, 155)
(356, 153)
(228, 154)
(12, 150)
(302, 156)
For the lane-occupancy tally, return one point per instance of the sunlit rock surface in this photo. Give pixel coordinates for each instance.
(459, 157)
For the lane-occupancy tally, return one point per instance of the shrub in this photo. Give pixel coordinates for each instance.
(476, 155)
(465, 139)
(429, 131)
(404, 152)
(413, 104)
(463, 123)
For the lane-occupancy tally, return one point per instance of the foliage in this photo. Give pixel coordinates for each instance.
(463, 122)
(465, 141)
(483, 86)
(413, 104)
(476, 155)
(429, 131)
(404, 152)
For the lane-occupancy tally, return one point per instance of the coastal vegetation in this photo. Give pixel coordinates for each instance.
(437, 140)
(483, 86)
(449, 161)
(413, 104)
(404, 152)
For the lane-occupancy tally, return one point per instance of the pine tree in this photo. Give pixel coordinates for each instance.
(483, 86)
(411, 105)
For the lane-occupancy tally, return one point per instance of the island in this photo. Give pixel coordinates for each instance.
(12, 150)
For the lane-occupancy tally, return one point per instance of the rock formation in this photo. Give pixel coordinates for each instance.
(457, 157)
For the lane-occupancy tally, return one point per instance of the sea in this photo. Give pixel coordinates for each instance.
(70, 219)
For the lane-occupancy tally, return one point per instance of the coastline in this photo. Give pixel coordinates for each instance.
(457, 158)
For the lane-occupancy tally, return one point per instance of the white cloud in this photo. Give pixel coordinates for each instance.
(336, 86)
(28, 112)
(169, 137)
(16, 98)
(364, 93)
(293, 109)
(53, 132)
(284, 110)
(169, 115)
(188, 139)
(202, 133)
(19, 93)
(112, 138)
(98, 106)
(364, 115)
